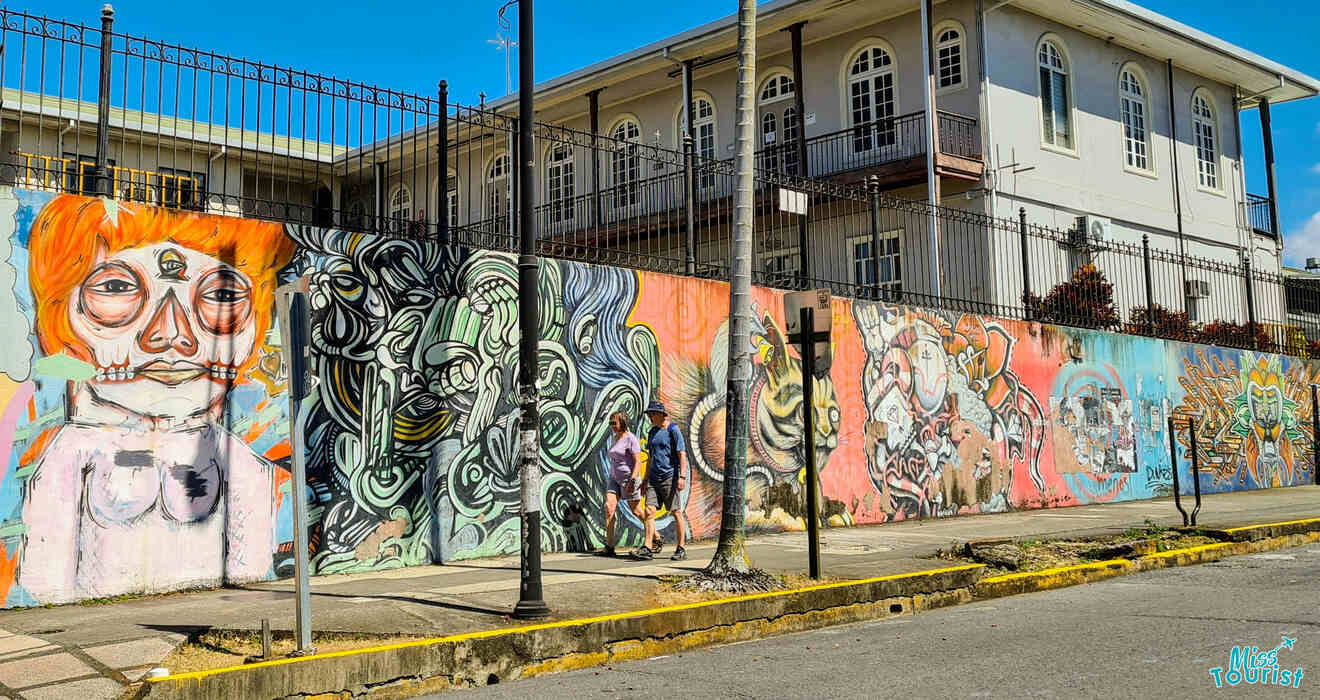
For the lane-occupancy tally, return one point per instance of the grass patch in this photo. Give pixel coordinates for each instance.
(221, 648)
(1038, 554)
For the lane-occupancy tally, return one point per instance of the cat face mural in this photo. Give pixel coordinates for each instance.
(143, 489)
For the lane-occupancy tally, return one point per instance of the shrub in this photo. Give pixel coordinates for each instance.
(1174, 325)
(1234, 335)
(1087, 301)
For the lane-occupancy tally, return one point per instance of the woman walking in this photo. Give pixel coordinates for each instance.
(623, 482)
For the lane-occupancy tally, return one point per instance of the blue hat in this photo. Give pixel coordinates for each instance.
(656, 407)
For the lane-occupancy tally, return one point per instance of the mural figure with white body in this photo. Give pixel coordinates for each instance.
(143, 489)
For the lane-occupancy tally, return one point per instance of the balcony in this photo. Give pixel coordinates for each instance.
(894, 149)
(1258, 215)
(77, 176)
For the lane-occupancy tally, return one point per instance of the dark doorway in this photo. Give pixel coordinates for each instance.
(323, 206)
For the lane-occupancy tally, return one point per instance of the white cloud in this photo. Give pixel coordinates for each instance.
(1302, 243)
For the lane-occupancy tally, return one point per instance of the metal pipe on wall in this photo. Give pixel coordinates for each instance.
(932, 178)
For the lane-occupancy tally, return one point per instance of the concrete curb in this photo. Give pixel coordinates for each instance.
(414, 668)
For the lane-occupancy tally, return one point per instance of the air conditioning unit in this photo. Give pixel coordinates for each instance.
(1097, 228)
(1198, 289)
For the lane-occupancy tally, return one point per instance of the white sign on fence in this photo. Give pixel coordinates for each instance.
(792, 201)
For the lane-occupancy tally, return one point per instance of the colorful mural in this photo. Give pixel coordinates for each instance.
(143, 413)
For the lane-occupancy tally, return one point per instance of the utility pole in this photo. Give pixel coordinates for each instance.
(932, 143)
(531, 600)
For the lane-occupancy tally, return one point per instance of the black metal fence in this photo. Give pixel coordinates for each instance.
(99, 112)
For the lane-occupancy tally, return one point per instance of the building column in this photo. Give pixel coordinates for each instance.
(1267, 135)
(799, 87)
(593, 107)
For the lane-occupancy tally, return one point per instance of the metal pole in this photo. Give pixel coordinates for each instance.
(102, 175)
(1267, 134)
(932, 179)
(873, 191)
(378, 194)
(442, 148)
(531, 601)
(593, 108)
(1150, 289)
(1315, 433)
(799, 86)
(1173, 459)
(1177, 189)
(1196, 470)
(689, 178)
(1251, 299)
(807, 333)
(1026, 260)
(291, 305)
(515, 165)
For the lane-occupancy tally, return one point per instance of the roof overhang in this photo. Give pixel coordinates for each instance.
(1192, 50)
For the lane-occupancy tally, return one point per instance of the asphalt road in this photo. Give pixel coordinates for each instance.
(1156, 634)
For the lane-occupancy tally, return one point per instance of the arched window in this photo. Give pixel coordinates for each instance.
(560, 186)
(400, 207)
(497, 188)
(871, 98)
(948, 55)
(1132, 109)
(777, 112)
(1055, 95)
(703, 133)
(1205, 128)
(625, 162)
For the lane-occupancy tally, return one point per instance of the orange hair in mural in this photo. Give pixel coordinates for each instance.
(71, 230)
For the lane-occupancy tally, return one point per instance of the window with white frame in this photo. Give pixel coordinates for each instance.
(948, 56)
(889, 265)
(779, 124)
(703, 134)
(1132, 109)
(400, 207)
(626, 162)
(871, 99)
(1055, 100)
(559, 183)
(497, 187)
(451, 200)
(1205, 128)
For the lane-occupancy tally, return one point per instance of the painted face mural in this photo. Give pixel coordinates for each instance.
(157, 315)
(947, 418)
(1251, 417)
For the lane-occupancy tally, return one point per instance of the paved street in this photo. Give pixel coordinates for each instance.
(1155, 634)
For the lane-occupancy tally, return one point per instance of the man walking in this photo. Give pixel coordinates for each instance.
(666, 477)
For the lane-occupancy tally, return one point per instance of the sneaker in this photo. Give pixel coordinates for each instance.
(643, 553)
(606, 552)
(679, 554)
(657, 545)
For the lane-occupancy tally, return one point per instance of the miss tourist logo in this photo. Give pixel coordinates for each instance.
(1251, 666)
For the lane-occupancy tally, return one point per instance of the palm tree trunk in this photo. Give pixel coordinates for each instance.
(731, 554)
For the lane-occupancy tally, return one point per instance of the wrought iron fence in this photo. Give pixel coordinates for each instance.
(96, 111)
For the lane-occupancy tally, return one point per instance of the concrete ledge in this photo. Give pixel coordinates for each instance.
(413, 668)
(1048, 579)
(1256, 532)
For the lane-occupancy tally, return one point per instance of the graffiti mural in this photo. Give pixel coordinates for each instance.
(143, 411)
(948, 419)
(139, 479)
(1253, 414)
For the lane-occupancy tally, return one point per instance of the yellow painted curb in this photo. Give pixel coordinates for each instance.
(485, 634)
(1286, 523)
(1049, 579)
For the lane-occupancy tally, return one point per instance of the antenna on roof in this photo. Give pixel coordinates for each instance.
(505, 44)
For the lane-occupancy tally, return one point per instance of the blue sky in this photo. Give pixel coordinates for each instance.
(411, 46)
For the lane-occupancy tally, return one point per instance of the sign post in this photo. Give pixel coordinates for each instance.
(292, 307)
(808, 317)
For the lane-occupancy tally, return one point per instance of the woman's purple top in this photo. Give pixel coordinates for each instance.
(623, 457)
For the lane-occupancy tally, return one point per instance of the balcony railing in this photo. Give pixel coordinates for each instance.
(78, 176)
(882, 142)
(1258, 215)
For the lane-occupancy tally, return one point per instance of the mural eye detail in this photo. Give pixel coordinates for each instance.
(223, 300)
(112, 295)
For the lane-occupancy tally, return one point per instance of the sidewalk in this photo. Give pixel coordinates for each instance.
(93, 651)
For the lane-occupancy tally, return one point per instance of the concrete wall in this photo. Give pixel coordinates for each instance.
(143, 404)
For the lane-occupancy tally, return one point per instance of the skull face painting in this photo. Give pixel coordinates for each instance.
(143, 489)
